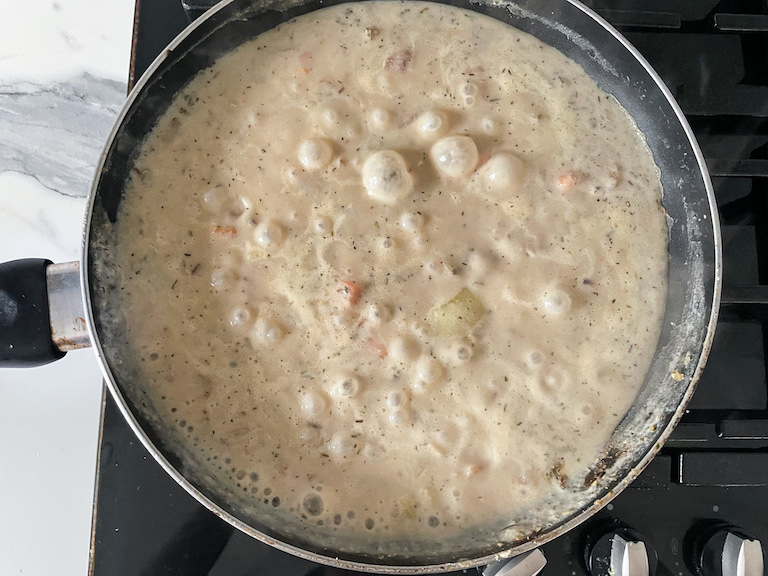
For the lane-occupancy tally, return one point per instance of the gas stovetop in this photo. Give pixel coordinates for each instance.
(712, 475)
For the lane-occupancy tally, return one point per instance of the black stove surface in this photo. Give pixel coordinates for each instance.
(713, 55)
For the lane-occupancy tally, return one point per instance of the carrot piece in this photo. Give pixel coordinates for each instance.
(569, 179)
(474, 470)
(224, 231)
(306, 59)
(378, 347)
(351, 291)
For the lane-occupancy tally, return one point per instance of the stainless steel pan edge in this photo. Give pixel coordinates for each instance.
(503, 552)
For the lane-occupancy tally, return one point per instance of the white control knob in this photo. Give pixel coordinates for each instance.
(628, 558)
(620, 551)
(730, 552)
(742, 556)
(526, 564)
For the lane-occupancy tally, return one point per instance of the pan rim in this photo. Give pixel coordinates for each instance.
(521, 548)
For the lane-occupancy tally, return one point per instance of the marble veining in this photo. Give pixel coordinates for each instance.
(63, 72)
(55, 132)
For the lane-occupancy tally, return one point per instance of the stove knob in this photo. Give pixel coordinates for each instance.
(621, 552)
(629, 558)
(731, 553)
(526, 564)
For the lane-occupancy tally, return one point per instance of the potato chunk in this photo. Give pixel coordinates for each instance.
(457, 316)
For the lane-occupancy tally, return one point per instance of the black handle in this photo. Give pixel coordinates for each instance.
(25, 323)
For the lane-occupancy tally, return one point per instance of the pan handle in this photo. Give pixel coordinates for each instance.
(41, 312)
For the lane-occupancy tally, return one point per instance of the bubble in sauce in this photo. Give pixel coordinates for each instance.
(309, 435)
(468, 89)
(468, 92)
(432, 124)
(504, 173)
(322, 225)
(379, 119)
(463, 351)
(273, 332)
(219, 201)
(222, 278)
(399, 416)
(454, 156)
(215, 198)
(345, 318)
(534, 358)
(345, 386)
(269, 330)
(395, 399)
(313, 505)
(372, 450)
(555, 379)
(429, 372)
(315, 153)
(488, 125)
(312, 403)
(241, 316)
(329, 117)
(555, 302)
(446, 437)
(290, 175)
(411, 221)
(478, 264)
(377, 313)
(341, 445)
(403, 349)
(238, 207)
(336, 119)
(386, 177)
(387, 244)
(269, 233)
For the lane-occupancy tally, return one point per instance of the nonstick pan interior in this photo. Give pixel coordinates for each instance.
(694, 282)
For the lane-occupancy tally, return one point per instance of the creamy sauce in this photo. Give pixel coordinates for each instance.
(395, 267)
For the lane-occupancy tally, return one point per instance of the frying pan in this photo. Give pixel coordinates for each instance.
(47, 309)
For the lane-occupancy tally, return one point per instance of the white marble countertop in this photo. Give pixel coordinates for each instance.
(63, 72)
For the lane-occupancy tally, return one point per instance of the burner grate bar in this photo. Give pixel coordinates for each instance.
(744, 429)
(641, 18)
(741, 22)
(722, 469)
(738, 295)
(687, 432)
(752, 168)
